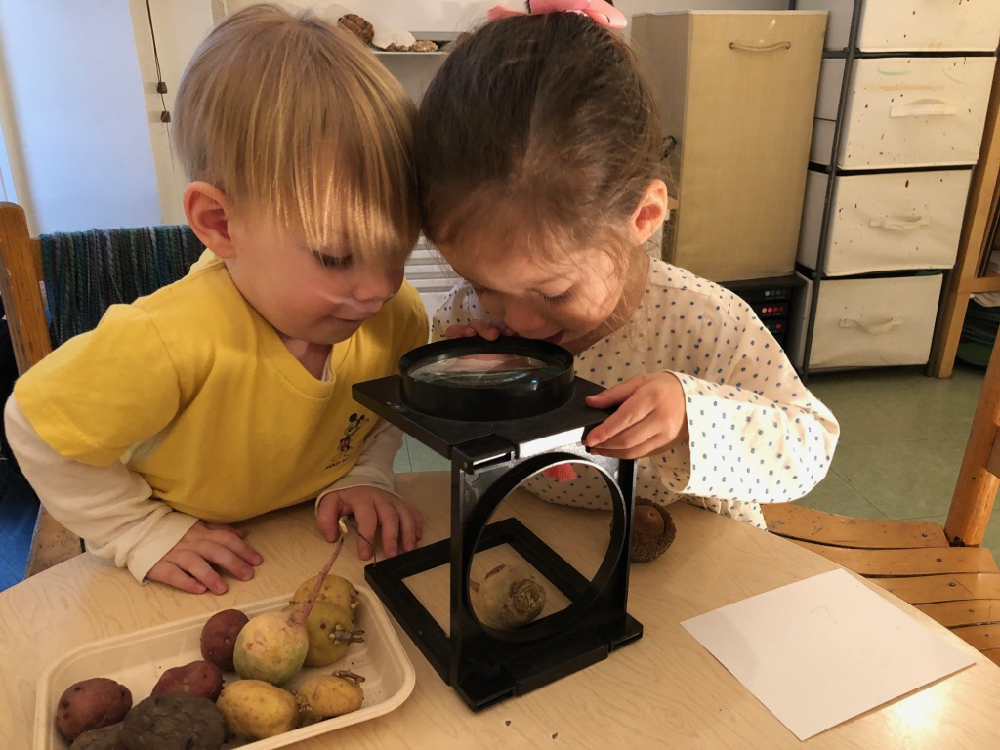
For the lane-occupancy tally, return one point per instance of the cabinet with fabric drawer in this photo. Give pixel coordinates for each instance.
(904, 112)
(912, 25)
(871, 322)
(885, 221)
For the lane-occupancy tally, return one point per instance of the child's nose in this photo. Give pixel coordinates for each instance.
(378, 284)
(522, 318)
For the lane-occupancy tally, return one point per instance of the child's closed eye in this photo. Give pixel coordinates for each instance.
(338, 262)
(557, 299)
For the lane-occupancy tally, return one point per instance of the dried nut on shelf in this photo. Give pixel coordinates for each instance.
(423, 45)
(361, 28)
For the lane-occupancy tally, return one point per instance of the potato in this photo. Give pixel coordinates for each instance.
(97, 739)
(330, 634)
(324, 696)
(219, 635)
(335, 589)
(173, 721)
(198, 678)
(257, 710)
(91, 704)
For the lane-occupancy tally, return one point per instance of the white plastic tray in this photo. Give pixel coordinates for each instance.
(136, 660)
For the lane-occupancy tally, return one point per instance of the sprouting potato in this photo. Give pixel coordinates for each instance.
(324, 696)
(335, 589)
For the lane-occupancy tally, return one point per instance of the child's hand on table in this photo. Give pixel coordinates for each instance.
(188, 565)
(651, 417)
(372, 507)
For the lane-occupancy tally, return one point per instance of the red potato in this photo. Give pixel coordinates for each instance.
(218, 637)
(197, 678)
(91, 704)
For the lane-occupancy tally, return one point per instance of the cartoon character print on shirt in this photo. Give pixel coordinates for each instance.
(344, 446)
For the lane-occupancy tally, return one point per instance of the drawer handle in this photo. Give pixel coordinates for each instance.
(899, 224)
(740, 47)
(923, 108)
(873, 328)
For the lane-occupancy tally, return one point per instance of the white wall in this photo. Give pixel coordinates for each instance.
(459, 15)
(76, 116)
(179, 26)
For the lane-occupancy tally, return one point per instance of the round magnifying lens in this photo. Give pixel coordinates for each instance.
(479, 380)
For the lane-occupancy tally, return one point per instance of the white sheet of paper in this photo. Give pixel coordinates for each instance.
(821, 651)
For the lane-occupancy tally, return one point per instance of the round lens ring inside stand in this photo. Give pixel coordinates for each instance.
(475, 380)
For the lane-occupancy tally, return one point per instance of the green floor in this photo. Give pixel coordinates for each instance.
(901, 444)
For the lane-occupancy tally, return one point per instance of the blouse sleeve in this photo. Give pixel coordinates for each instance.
(756, 433)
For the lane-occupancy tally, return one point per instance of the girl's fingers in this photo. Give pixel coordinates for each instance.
(617, 393)
(630, 413)
(647, 448)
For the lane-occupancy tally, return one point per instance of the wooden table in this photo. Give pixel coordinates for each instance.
(664, 691)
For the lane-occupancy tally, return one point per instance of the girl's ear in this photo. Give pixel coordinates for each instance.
(651, 213)
(209, 213)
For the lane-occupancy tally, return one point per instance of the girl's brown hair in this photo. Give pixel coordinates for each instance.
(538, 131)
(293, 118)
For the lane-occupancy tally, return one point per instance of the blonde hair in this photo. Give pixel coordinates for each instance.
(292, 116)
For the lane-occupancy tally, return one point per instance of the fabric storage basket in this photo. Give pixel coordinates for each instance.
(886, 221)
(736, 92)
(913, 25)
(875, 321)
(905, 112)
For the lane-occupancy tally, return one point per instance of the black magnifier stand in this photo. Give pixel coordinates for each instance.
(502, 412)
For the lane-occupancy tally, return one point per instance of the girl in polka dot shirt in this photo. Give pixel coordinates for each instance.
(538, 158)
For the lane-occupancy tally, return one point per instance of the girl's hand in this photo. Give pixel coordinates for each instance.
(652, 416)
(188, 565)
(402, 525)
(476, 327)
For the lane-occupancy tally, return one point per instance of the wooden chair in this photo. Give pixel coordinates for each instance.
(21, 271)
(941, 570)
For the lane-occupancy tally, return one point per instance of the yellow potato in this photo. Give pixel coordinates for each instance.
(256, 709)
(324, 696)
(335, 589)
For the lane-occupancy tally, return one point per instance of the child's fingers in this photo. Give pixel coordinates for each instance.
(328, 514)
(409, 523)
(389, 520)
(234, 544)
(241, 533)
(192, 563)
(630, 413)
(647, 448)
(459, 331)
(616, 394)
(485, 329)
(171, 575)
(367, 521)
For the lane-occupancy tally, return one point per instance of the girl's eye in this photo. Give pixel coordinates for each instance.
(557, 299)
(338, 262)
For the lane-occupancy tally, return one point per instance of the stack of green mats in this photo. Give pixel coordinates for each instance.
(978, 334)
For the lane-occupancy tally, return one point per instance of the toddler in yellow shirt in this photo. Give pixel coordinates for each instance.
(228, 393)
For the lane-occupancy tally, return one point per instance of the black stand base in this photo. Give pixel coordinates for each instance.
(500, 669)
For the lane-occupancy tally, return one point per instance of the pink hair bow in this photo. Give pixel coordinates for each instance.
(600, 11)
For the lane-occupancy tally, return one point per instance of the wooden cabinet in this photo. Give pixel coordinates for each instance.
(736, 91)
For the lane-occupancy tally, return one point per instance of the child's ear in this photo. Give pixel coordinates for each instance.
(208, 213)
(652, 211)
